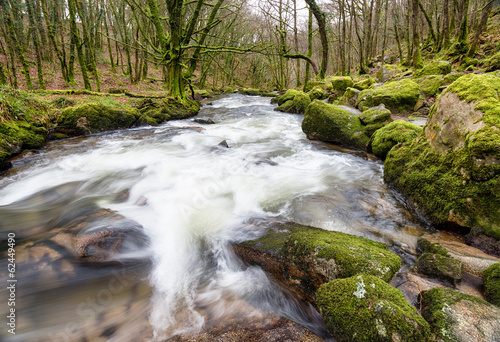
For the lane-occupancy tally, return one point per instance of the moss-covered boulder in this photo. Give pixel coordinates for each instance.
(322, 84)
(388, 71)
(297, 105)
(341, 83)
(364, 84)
(95, 117)
(363, 308)
(329, 123)
(434, 68)
(180, 109)
(250, 91)
(429, 85)
(306, 257)
(392, 134)
(491, 280)
(375, 118)
(316, 94)
(350, 97)
(426, 246)
(492, 63)
(440, 267)
(288, 96)
(398, 96)
(454, 316)
(449, 172)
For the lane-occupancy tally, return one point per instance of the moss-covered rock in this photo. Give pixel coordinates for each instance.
(297, 105)
(491, 280)
(392, 134)
(364, 308)
(307, 257)
(375, 118)
(250, 91)
(180, 109)
(341, 83)
(492, 63)
(429, 85)
(316, 94)
(426, 246)
(364, 84)
(450, 170)
(388, 71)
(440, 267)
(322, 84)
(454, 316)
(350, 97)
(288, 96)
(452, 77)
(398, 96)
(329, 123)
(434, 68)
(95, 117)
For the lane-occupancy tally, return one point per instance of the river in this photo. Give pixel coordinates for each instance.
(193, 197)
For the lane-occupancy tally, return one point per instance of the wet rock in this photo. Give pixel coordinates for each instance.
(440, 267)
(296, 104)
(426, 246)
(491, 278)
(332, 124)
(365, 308)
(473, 259)
(485, 243)
(304, 257)
(449, 171)
(267, 329)
(204, 121)
(455, 316)
(398, 96)
(392, 134)
(223, 143)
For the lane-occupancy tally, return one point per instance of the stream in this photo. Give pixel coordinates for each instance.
(193, 197)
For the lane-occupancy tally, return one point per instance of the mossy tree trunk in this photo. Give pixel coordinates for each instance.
(34, 34)
(3, 76)
(309, 47)
(321, 20)
(417, 55)
(480, 28)
(75, 35)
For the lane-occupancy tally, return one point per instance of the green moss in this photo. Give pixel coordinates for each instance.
(492, 63)
(425, 246)
(397, 96)
(434, 68)
(95, 117)
(491, 280)
(322, 84)
(375, 115)
(440, 267)
(63, 102)
(350, 97)
(316, 94)
(437, 304)
(330, 123)
(429, 85)
(250, 91)
(394, 133)
(289, 95)
(364, 84)
(341, 83)
(388, 71)
(364, 308)
(229, 90)
(180, 109)
(442, 187)
(297, 105)
(352, 254)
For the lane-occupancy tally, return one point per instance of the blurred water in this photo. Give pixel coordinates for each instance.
(193, 197)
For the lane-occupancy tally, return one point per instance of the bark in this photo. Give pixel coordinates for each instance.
(417, 57)
(38, 52)
(77, 42)
(480, 28)
(321, 20)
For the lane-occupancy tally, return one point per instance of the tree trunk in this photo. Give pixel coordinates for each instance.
(417, 57)
(38, 51)
(309, 46)
(76, 41)
(320, 18)
(480, 28)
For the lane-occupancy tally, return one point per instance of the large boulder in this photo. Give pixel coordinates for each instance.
(394, 133)
(297, 105)
(434, 68)
(341, 83)
(288, 96)
(365, 308)
(329, 123)
(452, 170)
(398, 96)
(305, 257)
(491, 279)
(455, 316)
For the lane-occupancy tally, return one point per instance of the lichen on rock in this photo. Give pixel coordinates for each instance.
(364, 308)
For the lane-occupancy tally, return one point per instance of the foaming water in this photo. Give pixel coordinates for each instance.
(194, 197)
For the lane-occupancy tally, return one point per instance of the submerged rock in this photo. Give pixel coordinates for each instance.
(392, 134)
(491, 279)
(329, 123)
(365, 308)
(455, 316)
(305, 257)
(398, 96)
(452, 171)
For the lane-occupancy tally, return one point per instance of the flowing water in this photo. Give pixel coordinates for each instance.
(193, 197)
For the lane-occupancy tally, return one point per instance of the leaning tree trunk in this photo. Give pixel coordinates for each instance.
(320, 18)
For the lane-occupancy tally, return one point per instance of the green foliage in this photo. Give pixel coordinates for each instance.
(330, 123)
(491, 280)
(398, 96)
(394, 133)
(364, 308)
